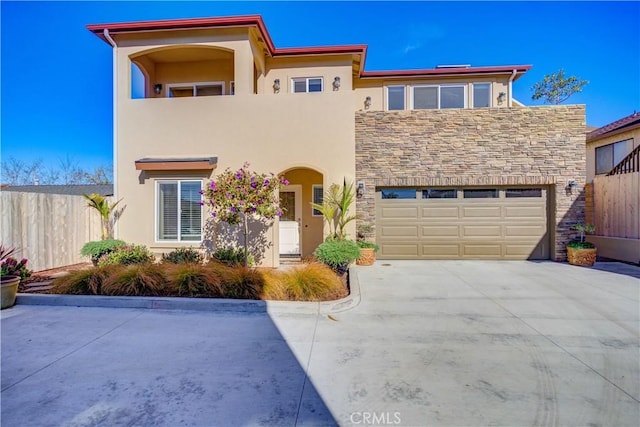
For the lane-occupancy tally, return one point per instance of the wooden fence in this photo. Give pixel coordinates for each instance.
(48, 229)
(617, 205)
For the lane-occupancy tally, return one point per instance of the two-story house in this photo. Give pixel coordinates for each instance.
(447, 164)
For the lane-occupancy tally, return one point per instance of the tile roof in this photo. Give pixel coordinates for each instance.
(624, 122)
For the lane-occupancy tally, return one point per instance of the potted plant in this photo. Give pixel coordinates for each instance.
(11, 272)
(367, 249)
(581, 252)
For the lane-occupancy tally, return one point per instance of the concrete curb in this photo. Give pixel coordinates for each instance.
(200, 304)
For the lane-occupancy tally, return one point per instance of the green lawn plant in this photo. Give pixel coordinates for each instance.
(99, 248)
(127, 255)
(183, 256)
(337, 254)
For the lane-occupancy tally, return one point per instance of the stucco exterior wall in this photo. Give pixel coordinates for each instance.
(495, 146)
(376, 89)
(273, 133)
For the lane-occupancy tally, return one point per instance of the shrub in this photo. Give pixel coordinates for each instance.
(238, 281)
(274, 287)
(313, 282)
(367, 245)
(577, 244)
(337, 254)
(12, 267)
(85, 282)
(193, 280)
(232, 256)
(97, 249)
(136, 280)
(182, 256)
(127, 255)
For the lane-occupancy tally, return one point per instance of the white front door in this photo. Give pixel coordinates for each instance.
(291, 202)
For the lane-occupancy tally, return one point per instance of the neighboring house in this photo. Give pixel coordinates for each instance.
(449, 165)
(613, 188)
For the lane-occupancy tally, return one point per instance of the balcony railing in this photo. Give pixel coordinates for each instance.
(629, 164)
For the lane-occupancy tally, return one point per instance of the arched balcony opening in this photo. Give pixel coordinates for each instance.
(183, 71)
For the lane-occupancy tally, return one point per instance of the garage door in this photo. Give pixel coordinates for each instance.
(462, 223)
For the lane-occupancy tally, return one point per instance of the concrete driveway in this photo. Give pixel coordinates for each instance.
(426, 343)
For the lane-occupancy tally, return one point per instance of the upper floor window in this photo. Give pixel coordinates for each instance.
(610, 155)
(481, 95)
(441, 96)
(395, 97)
(306, 84)
(179, 90)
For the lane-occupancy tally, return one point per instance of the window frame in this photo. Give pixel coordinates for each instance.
(313, 199)
(306, 85)
(465, 100)
(404, 97)
(473, 95)
(156, 208)
(624, 143)
(194, 86)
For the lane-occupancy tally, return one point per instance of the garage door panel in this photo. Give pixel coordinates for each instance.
(400, 250)
(441, 251)
(525, 230)
(502, 227)
(482, 212)
(482, 250)
(524, 212)
(444, 213)
(482, 231)
(532, 250)
(400, 212)
(392, 231)
(441, 231)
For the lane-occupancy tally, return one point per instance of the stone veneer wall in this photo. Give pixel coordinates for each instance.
(461, 147)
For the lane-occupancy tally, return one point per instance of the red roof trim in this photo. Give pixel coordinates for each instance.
(256, 21)
(447, 71)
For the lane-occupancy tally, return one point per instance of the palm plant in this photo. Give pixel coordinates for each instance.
(109, 215)
(335, 209)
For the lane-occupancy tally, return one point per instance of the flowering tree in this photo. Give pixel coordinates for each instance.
(234, 196)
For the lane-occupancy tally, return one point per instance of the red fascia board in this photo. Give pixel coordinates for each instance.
(520, 69)
(183, 24)
(321, 50)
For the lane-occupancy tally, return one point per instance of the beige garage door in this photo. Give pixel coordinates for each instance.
(462, 223)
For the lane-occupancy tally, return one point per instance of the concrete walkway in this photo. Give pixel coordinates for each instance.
(427, 344)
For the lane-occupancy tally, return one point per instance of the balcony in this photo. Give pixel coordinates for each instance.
(182, 71)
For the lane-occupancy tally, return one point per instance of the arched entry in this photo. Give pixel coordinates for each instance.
(301, 228)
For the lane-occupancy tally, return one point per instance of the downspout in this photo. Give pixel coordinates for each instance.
(109, 39)
(510, 88)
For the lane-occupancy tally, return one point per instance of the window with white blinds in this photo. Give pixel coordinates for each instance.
(179, 213)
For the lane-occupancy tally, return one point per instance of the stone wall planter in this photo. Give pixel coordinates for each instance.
(582, 257)
(9, 290)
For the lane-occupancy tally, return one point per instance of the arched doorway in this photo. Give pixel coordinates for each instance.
(301, 227)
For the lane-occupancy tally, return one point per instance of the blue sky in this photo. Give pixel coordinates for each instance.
(56, 79)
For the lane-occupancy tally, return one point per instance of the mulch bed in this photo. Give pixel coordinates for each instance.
(47, 276)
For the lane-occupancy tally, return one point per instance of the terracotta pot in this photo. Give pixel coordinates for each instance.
(9, 290)
(367, 256)
(583, 257)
